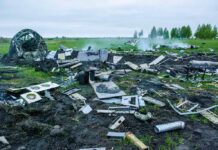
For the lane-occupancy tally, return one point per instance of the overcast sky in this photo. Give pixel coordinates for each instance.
(102, 18)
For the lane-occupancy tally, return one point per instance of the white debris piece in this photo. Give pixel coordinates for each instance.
(68, 52)
(130, 101)
(86, 109)
(203, 63)
(174, 86)
(111, 101)
(143, 117)
(101, 148)
(48, 95)
(116, 134)
(75, 66)
(31, 97)
(51, 55)
(132, 65)
(153, 101)
(122, 71)
(61, 56)
(141, 101)
(42, 87)
(210, 116)
(110, 85)
(4, 140)
(100, 55)
(117, 122)
(100, 111)
(144, 66)
(157, 60)
(78, 96)
(116, 59)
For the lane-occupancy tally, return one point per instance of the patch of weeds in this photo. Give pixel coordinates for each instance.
(122, 143)
(171, 141)
(143, 110)
(73, 85)
(150, 107)
(86, 90)
(27, 76)
(147, 140)
(124, 85)
(216, 109)
(199, 119)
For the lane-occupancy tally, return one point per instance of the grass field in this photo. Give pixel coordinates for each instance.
(114, 43)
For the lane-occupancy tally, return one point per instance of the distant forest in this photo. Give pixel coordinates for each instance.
(204, 31)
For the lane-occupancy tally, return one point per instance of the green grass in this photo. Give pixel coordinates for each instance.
(27, 76)
(84, 43)
(4, 48)
(115, 43)
(204, 45)
(171, 141)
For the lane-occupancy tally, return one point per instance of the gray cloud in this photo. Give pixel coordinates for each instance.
(102, 18)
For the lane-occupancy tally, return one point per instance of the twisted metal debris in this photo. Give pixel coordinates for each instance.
(29, 45)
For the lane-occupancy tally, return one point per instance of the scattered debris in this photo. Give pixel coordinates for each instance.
(190, 110)
(57, 130)
(174, 86)
(116, 59)
(116, 123)
(203, 63)
(101, 148)
(71, 91)
(42, 87)
(75, 66)
(4, 140)
(133, 139)
(153, 101)
(210, 116)
(113, 111)
(77, 96)
(101, 55)
(86, 109)
(124, 101)
(107, 90)
(157, 60)
(143, 117)
(48, 95)
(69, 64)
(132, 65)
(29, 45)
(130, 101)
(31, 97)
(169, 126)
(116, 135)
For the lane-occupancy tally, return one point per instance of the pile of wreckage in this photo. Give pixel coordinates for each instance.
(105, 89)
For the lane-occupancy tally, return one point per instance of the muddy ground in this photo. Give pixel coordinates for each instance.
(32, 127)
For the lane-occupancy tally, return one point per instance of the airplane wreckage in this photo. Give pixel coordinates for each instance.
(29, 45)
(99, 69)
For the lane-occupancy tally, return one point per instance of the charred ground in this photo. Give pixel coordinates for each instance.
(31, 127)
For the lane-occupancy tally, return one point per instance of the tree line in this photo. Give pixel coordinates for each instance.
(205, 31)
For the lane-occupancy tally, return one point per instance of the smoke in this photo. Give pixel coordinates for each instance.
(90, 46)
(177, 45)
(145, 45)
(154, 44)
